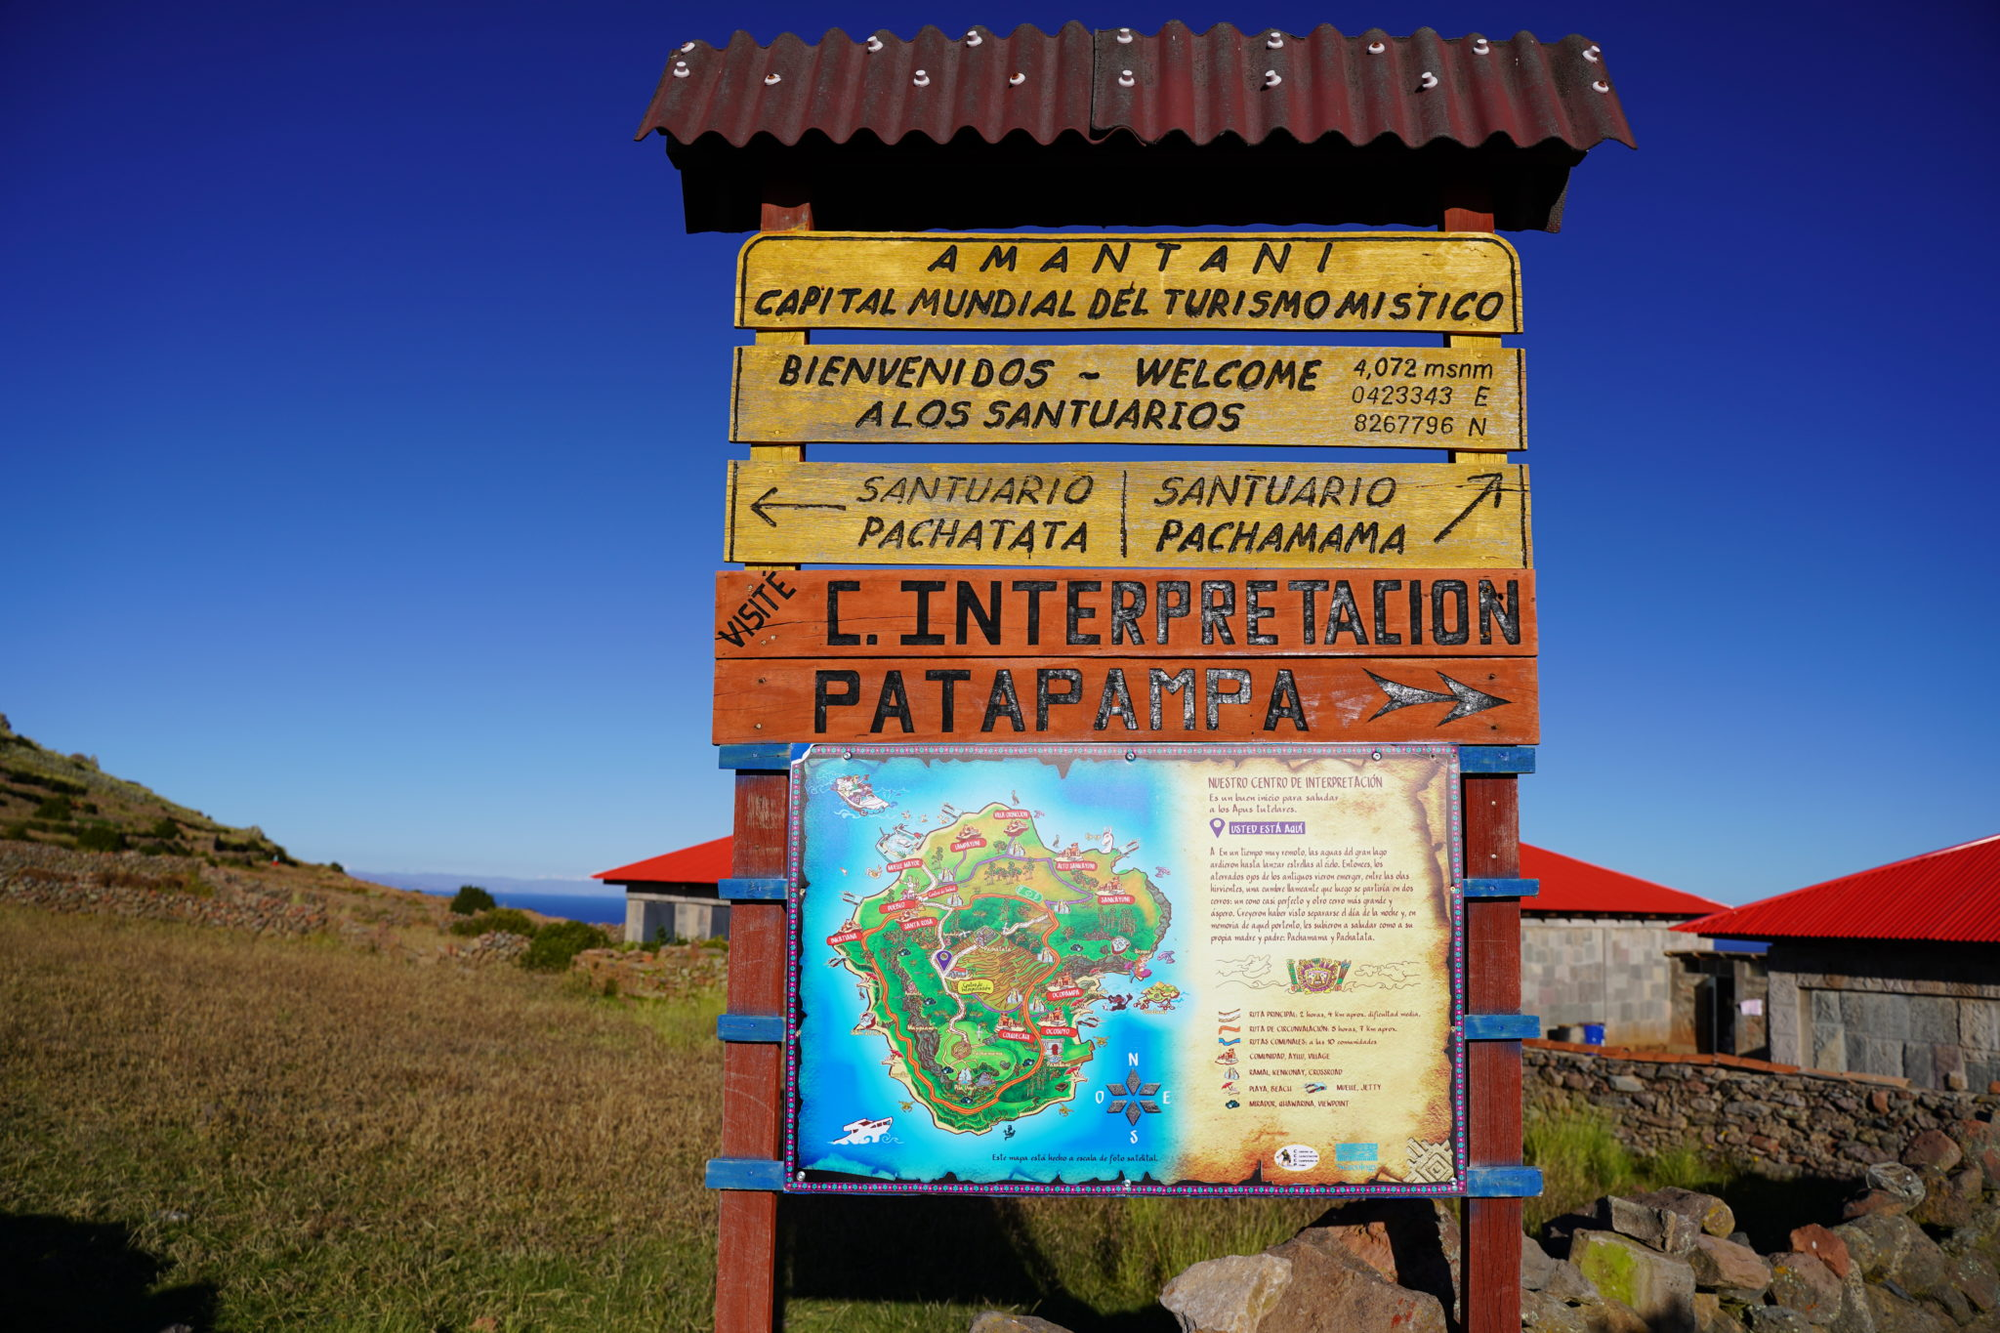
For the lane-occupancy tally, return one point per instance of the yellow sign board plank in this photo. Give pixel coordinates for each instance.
(1202, 515)
(1465, 397)
(1403, 281)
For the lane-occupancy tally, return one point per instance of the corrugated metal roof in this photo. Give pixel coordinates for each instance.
(1573, 887)
(703, 863)
(1948, 895)
(1417, 89)
(1120, 128)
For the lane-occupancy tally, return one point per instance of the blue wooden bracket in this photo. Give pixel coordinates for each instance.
(1501, 888)
(744, 1173)
(1498, 1182)
(768, 756)
(1499, 1027)
(1496, 758)
(752, 890)
(750, 1027)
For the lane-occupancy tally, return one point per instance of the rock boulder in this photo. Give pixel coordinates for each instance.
(1724, 1266)
(1659, 1286)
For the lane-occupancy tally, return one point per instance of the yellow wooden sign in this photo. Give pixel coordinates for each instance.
(1405, 281)
(1466, 397)
(1203, 515)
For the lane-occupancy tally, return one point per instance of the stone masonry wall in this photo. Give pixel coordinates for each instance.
(160, 888)
(1928, 1012)
(1608, 970)
(1778, 1119)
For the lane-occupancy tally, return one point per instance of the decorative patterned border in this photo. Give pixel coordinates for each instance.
(800, 1182)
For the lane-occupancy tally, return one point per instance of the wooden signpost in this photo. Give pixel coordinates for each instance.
(1401, 282)
(1412, 398)
(1303, 515)
(1247, 613)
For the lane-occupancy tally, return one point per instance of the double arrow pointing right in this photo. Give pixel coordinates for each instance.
(1465, 700)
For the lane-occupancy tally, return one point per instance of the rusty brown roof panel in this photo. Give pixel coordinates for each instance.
(934, 85)
(1416, 89)
(1120, 128)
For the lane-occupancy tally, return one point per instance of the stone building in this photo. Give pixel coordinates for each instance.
(674, 895)
(1594, 946)
(1894, 970)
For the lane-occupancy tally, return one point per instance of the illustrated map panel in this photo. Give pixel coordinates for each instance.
(1176, 968)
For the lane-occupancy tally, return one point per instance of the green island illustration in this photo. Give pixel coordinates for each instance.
(982, 957)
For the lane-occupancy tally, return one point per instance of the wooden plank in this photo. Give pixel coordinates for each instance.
(1409, 282)
(1372, 397)
(969, 613)
(1472, 700)
(1206, 515)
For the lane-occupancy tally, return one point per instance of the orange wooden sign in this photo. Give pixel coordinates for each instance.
(964, 613)
(1471, 700)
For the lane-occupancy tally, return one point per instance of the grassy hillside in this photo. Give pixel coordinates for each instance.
(202, 1126)
(67, 801)
(245, 1133)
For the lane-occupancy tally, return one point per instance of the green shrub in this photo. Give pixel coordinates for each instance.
(715, 942)
(56, 808)
(165, 829)
(336, 867)
(100, 838)
(16, 831)
(510, 919)
(1580, 1157)
(1684, 1165)
(559, 942)
(471, 898)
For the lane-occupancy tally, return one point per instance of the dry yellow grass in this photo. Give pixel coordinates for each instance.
(198, 1125)
(308, 1135)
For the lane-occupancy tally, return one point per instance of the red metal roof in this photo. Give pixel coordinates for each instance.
(703, 863)
(1567, 884)
(1121, 128)
(1415, 89)
(1948, 895)
(1571, 886)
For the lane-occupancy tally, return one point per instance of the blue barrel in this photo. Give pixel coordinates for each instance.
(1593, 1034)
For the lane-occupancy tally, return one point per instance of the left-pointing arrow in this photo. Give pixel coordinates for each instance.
(1465, 700)
(764, 502)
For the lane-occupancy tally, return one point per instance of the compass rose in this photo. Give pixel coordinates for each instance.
(1133, 1098)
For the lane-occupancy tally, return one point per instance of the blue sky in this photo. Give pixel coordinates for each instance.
(361, 426)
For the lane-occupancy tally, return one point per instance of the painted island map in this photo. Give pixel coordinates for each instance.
(982, 953)
(1045, 966)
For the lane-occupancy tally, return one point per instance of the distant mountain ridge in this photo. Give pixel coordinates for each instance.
(68, 801)
(440, 882)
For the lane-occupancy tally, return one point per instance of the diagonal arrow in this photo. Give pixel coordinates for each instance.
(1493, 488)
(1465, 700)
(764, 501)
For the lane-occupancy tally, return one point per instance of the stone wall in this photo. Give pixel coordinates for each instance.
(1778, 1119)
(679, 916)
(1600, 969)
(160, 888)
(1926, 1012)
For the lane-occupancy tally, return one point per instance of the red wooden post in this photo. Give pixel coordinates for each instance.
(753, 1097)
(753, 1074)
(1490, 1271)
(1490, 1274)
